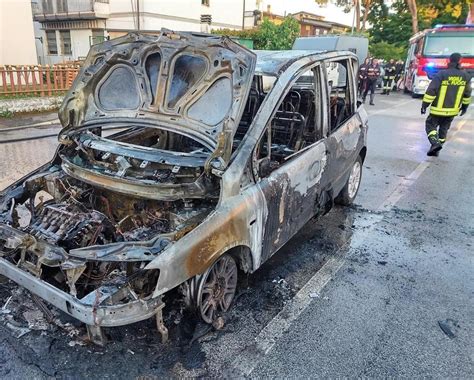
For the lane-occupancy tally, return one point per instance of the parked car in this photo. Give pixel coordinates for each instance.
(184, 158)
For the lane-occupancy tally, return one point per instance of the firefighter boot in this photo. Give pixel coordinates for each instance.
(434, 150)
(372, 97)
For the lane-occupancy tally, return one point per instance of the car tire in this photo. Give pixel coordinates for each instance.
(217, 288)
(349, 192)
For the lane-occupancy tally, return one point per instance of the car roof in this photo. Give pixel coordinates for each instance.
(273, 62)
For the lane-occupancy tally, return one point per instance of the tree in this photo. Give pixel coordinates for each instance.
(366, 4)
(390, 24)
(386, 51)
(268, 36)
(414, 15)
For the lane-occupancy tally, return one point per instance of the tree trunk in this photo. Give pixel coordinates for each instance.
(367, 4)
(414, 15)
(357, 12)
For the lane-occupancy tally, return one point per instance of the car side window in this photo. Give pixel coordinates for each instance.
(339, 88)
(296, 124)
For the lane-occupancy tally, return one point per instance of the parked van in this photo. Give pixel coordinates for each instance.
(358, 45)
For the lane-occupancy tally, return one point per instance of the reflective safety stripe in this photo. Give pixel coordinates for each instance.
(444, 111)
(432, 133)
(441, 140)
(457, 103)
(442, 95)
(466, 100)
(429, 98)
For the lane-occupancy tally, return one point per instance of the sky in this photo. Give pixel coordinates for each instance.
(330, 12)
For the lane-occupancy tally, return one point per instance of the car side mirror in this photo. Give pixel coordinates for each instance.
(264, 167)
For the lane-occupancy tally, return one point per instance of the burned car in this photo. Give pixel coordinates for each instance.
(184, 159)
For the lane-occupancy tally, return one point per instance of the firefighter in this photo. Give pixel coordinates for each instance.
(363, 76)
(398, 73)
(389, 76)
(373, 73)
(449, 94)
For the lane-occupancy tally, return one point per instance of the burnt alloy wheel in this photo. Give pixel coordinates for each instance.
(217, 289)
(349, 192)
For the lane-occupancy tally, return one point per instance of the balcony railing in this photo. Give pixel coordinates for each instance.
(67, 9)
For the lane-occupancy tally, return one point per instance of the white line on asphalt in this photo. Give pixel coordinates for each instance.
(248, 359)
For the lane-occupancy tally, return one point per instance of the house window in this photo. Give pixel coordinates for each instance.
(205, 2)
(97, 37)
(51, 41)
(65, 38)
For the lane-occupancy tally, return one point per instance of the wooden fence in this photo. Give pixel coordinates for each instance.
(36, 80)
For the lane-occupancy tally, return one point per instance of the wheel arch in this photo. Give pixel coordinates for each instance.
(242, 255)
(363, 153)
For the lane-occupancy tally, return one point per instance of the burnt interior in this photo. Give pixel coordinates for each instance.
(294, 124)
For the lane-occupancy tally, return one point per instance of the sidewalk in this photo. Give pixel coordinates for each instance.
(25, 119)
(36, 104)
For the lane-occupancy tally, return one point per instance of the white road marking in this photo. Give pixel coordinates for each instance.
(252, 355)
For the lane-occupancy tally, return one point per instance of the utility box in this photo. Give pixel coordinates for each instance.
(355, 44)
(247, 42)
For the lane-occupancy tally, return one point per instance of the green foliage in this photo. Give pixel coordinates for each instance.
(443, 11)
(268, 36)
(393, 24)
(6, 113)
(387, 51)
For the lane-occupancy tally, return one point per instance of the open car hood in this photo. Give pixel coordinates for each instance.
(190, 83)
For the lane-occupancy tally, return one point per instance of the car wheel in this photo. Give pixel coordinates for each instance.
(349, 192)
(217, 289)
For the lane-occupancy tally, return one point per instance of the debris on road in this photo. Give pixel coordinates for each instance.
(36, 320)
(447, 326)
(19, 330)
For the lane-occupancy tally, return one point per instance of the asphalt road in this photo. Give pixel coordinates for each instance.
(362, 292)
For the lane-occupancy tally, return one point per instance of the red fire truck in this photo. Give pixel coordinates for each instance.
(430, 50)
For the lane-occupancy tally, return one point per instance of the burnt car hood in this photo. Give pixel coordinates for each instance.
(189, 83)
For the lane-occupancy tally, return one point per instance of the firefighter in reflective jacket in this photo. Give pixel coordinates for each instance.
(449, 94)
(389, 76)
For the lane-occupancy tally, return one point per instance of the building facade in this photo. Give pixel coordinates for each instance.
(17, 38)
(66, 29)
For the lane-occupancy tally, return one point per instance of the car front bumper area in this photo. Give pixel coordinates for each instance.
(89, 309)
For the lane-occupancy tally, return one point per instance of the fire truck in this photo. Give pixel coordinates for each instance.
(429, 52)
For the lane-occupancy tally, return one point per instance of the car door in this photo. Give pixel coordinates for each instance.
(345, 133)
(291, 172)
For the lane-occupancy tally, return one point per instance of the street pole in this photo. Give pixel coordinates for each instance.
(243, 16)
(138, 15)
(353, 19)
